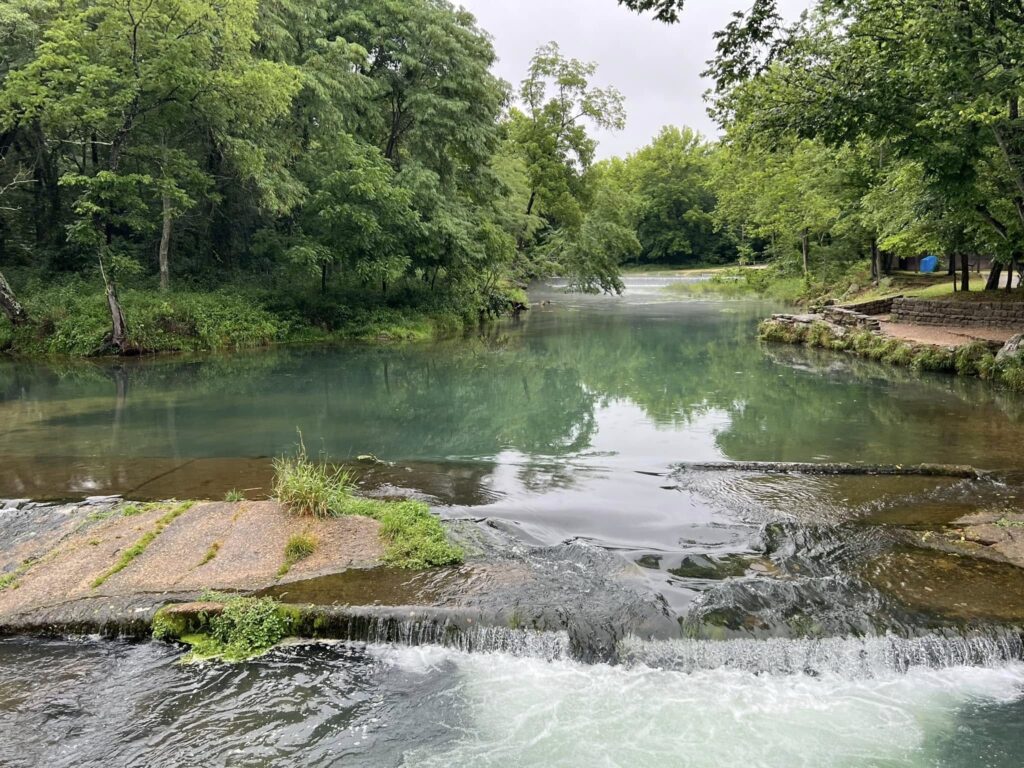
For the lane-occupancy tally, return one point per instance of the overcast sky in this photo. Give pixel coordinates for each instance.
(657, 67)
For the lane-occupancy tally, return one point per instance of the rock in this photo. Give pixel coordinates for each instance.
(97, 501)
(1011, 348)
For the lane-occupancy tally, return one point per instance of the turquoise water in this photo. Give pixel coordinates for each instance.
(563, 427)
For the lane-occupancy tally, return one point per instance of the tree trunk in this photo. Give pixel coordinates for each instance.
(805, 243)
(965, 273)
(323, 278)
(876, 259)
(118, 327)
(994, 277)
(1010, 273)
(165, 245)
(952, 265)
(10, 305)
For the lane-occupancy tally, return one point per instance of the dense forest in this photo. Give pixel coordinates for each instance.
(177, 174)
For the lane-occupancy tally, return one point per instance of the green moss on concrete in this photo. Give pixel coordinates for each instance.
(140, 546)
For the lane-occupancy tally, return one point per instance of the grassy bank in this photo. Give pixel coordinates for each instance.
(844, 285)
(970, 360)
(73, 320)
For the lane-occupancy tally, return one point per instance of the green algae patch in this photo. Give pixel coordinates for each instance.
(226, 628)
(140, 546)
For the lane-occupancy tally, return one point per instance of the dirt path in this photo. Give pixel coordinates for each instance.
(946, 336)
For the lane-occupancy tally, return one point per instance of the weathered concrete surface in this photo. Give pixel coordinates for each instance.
(52, 556)
(344, 592)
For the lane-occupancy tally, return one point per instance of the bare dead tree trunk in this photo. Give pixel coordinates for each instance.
(10, 305)
(165, 245)
(119, 331)
(876, 261)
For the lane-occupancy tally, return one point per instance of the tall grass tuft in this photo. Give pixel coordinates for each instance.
(310, 488)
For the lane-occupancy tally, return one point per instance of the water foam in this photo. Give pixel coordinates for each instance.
(853, 658)
(526, 712)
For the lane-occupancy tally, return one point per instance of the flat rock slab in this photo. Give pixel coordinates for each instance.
(215, 545)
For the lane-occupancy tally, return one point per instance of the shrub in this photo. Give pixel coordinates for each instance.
(968, 359)
(934, 359)
(309, 488)
(234, 496)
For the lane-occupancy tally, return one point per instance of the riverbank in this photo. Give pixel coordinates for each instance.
(991, 354)
(853, 285)
(73, 320)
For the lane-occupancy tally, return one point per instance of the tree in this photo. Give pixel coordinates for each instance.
(549, 134)
(120, 80)
(664, 10)
(671, 180)
(936, 82)
(785, 196)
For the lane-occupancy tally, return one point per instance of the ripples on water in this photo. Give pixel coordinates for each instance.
(92, 704)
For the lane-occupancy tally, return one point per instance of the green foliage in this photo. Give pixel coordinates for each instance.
(73, 320)
(934, 359)
(970, 360)
(414, 537)
(211, 553)
(233, 496)
(310, 488)
(300, 546)
(246, 627)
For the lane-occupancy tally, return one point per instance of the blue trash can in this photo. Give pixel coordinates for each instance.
(929, 264)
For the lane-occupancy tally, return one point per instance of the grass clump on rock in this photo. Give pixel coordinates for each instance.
(299, 547)
(414, 537)
(309, 488)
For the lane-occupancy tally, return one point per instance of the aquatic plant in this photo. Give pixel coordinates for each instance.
(234, 496)
(210, 553)
(414, 537)
(244, 628)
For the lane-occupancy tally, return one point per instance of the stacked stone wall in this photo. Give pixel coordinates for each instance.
(964, 314)
(876, 307)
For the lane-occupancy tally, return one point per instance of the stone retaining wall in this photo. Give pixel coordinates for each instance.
(847, 318)
(876, 307)
(977, 314)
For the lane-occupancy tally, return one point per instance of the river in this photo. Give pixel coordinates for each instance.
(812, 632)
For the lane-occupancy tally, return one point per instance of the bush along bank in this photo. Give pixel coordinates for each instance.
(73, 320)
(976, 359)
